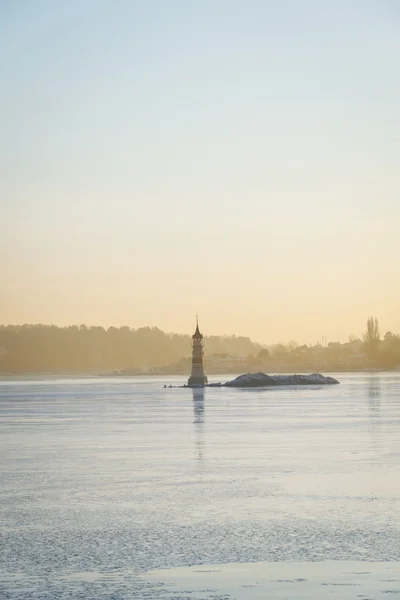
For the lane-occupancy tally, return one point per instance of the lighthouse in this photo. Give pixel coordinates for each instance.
(197, 378)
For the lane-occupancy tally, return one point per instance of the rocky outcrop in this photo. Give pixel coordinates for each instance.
(264, 380)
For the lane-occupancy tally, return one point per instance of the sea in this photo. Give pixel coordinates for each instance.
(116, 488)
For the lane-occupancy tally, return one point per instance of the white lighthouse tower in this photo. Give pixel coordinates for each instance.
(197, 378)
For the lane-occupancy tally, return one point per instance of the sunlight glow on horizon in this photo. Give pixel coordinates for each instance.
(239, 160)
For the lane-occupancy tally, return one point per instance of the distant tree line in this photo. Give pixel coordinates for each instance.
(47, 348)
(370, 351)
(50, 349)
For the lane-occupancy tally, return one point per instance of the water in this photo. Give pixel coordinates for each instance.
(104, 480)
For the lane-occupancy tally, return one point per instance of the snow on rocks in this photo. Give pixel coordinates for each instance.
(264, 380)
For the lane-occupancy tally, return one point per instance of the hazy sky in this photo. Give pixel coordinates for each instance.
(239, 158)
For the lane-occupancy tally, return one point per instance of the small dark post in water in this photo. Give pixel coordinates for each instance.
(197, 378)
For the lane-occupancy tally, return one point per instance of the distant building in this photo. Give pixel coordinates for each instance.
(197, 378)
(222, 364)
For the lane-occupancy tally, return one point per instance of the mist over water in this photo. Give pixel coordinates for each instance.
(104, 479)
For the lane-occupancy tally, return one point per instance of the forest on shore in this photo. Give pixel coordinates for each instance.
(81, 349)
(48, 348)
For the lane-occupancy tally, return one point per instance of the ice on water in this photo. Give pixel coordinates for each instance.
(107, 481)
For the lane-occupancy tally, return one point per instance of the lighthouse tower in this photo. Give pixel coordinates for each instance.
(197, 377)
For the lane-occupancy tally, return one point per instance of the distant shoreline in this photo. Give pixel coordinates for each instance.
(184, 375)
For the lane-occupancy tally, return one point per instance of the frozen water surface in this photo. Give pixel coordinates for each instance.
(105, 483)
(346, 580)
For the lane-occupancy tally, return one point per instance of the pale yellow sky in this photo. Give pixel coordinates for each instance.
(235, 160)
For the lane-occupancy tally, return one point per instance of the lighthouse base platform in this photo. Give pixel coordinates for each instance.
(197, 381)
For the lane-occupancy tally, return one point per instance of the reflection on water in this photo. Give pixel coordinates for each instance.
(198, 405)
(198, 420)
(373, 391)
(373, 388)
